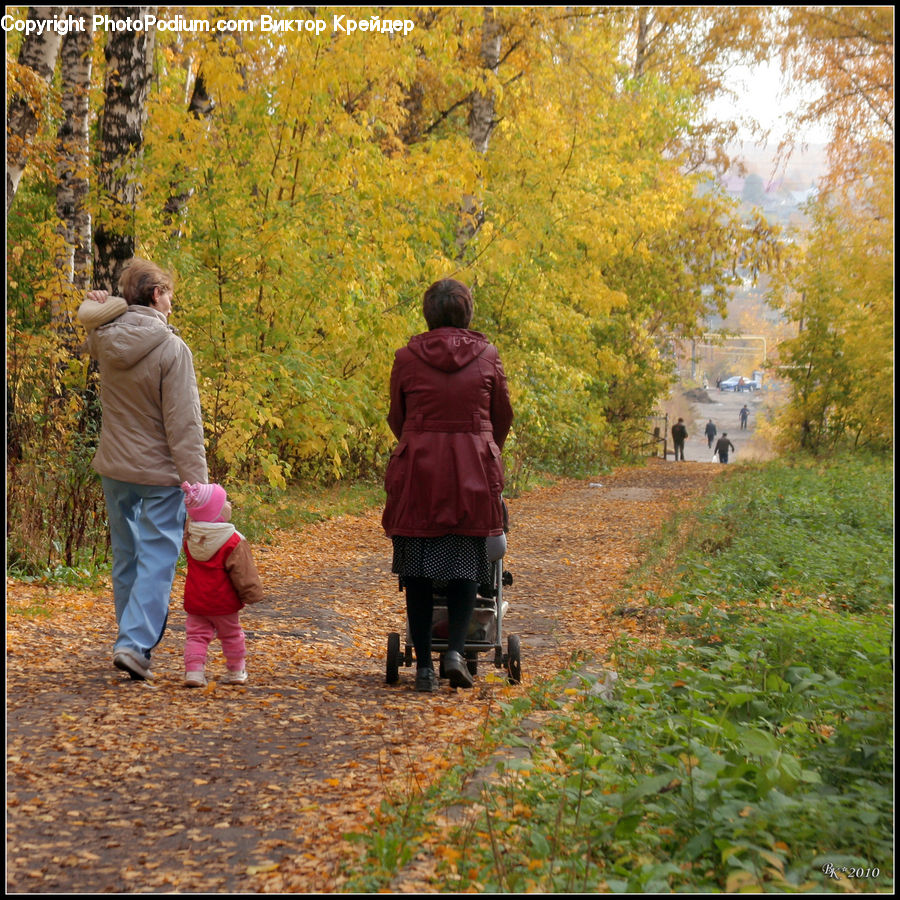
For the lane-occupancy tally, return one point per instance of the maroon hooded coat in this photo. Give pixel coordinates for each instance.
(450, 410)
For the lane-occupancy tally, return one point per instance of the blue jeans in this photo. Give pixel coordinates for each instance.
(146, 525)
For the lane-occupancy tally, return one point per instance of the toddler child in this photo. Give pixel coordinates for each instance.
(221, 578)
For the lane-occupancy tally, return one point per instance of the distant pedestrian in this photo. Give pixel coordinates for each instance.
(679, 436)
(710, 433)
(744, 414)
(722, 447)
(221, 579)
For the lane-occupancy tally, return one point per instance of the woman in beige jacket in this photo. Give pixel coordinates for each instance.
(151, 440)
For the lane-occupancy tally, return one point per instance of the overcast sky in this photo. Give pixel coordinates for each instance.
(763, 96)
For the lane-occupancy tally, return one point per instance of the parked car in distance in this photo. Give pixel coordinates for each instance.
(738, 383)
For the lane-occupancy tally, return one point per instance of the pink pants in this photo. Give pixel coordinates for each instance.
(200, 632)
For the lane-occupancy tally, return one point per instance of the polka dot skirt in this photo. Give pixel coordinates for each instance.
(442, 558)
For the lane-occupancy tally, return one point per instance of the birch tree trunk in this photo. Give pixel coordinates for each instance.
(481, 123)
(129, 58)
(38, 57)
(481, 110)
(74, 149)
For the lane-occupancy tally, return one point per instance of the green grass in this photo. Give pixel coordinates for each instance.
(825, 529)
(753, 751)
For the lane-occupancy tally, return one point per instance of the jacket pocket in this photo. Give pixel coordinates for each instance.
(495, 469)
(394, 476)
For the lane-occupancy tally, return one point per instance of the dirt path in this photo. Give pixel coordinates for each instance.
(117, 786)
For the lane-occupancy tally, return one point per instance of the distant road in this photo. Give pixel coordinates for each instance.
(724, 409)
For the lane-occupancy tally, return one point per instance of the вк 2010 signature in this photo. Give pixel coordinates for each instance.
(832, 871)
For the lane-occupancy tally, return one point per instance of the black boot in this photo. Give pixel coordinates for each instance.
(426, 680)
(456, 670)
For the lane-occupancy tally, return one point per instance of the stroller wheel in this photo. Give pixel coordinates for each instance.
(514, 659)
(392, 674)
(472, 662)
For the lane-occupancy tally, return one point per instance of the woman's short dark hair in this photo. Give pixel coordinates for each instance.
(139, 280)
(447, 304)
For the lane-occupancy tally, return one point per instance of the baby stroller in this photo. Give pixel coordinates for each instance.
(485, 629)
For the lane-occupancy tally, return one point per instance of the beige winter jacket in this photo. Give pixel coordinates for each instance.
(152, 430)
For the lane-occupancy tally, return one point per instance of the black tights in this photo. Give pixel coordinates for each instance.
(420, 609)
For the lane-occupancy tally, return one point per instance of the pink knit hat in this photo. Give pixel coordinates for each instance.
(204, 502)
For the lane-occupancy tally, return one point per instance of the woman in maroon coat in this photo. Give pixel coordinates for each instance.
(451, 413)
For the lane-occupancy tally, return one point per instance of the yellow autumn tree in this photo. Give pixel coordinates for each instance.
(306, 185)
(328, 187)
(599, 245)
(306, 243)
(839, 291)
(845, 56)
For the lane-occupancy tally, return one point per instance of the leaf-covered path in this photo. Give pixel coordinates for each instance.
(119, 786)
